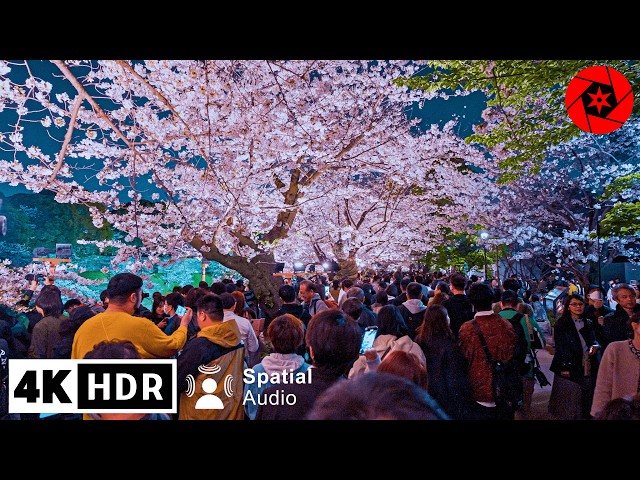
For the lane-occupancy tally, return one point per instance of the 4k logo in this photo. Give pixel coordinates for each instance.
(92, 386)
(27, 387)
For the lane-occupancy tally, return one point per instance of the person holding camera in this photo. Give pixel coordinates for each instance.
(118, 321)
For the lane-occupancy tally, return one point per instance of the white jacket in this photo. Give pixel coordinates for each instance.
(390, 342)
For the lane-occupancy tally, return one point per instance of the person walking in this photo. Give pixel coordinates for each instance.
(501, 339)
(575, 362)
(619, 372)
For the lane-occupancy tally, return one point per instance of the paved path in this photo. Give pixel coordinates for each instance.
(540, 399)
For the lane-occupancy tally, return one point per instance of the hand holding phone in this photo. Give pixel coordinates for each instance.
(186, 318)
(368, 338)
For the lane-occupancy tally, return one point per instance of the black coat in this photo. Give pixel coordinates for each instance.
(459, 309)
(568, 354)
(448, 376)
(616, 325)
(294, 309)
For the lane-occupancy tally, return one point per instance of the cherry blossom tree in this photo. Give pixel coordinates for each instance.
(208, 158)
(560, 184)
(385, 218)
(526, 112)
(555, 216)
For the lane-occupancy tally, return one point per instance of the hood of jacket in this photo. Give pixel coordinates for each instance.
(225, 334)
(414, 305)
(281, 362)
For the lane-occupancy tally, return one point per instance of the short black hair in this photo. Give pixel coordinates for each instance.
(287, 293)
(228, 300)
(79, 315)
(414, 290)
(353, 307)
(108, 349)
(218, 288)
(512, 284)
(458, 280)
(509, 297)
(481, 296)
(122, 285)
(104, 295)
(211, 305)
(346, 283)
(72, 302)
(174, 299)
(382, 298)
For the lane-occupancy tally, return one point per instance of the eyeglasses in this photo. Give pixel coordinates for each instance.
(576, 304)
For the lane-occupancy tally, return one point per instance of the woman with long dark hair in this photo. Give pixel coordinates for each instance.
(46, 333)
(447, 367)
(157, 314)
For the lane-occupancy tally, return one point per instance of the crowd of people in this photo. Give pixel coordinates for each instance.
(304, 361)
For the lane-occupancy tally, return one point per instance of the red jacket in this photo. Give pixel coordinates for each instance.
(501, 340)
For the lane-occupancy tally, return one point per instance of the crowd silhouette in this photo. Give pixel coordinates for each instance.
(303, 361)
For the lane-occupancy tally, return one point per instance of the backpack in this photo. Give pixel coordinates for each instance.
(521, 349)
(306, 309)
(507, 384)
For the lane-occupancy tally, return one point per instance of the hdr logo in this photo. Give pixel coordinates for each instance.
(92, 386)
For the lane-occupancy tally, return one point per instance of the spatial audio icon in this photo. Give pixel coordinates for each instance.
(209, 401)
(228, 385)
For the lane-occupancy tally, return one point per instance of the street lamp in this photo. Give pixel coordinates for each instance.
(484, 235)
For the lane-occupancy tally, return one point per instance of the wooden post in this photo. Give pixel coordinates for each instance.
(204, 271)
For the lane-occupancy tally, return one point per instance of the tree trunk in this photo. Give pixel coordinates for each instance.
(259, 272)
(348, 268)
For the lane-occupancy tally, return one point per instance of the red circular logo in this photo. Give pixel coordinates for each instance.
(599, 99)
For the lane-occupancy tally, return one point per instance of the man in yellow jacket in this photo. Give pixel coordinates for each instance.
(124, 292)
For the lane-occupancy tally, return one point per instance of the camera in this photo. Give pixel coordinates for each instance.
(145, 294)
(31, 277)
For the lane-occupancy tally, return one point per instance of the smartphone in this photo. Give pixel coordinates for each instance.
(368, 337)
(327, 293)
(180, 310)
